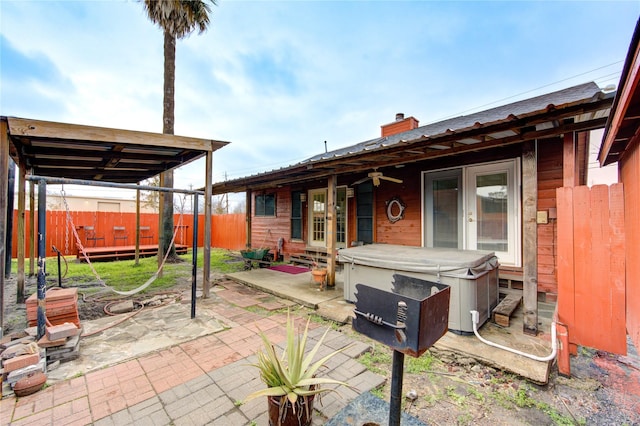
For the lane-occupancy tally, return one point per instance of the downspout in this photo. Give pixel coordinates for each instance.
(554, 343)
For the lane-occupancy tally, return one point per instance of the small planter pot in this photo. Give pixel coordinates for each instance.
(319, 275)
(284, 415)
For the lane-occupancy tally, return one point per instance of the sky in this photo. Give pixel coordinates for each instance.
(279, 78)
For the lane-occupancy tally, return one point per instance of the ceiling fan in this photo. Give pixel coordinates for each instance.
(376, 176)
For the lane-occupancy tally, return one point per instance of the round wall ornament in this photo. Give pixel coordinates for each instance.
(395, 209)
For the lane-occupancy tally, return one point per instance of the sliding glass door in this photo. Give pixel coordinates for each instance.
(474, 208)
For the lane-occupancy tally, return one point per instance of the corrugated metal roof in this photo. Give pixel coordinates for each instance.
(520, 109)
(577, 108)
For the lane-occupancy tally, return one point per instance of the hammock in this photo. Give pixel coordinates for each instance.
(86, 257)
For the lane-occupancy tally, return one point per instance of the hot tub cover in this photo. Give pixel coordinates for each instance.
(468, 264)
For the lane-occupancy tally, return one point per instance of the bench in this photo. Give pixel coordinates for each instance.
(502, 313)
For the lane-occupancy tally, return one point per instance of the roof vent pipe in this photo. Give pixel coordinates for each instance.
(399, 116)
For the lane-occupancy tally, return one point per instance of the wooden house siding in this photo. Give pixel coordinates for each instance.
(549, 178)
(407, 231)
(266, 230)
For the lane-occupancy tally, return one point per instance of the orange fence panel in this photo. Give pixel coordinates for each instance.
(118, 229)
(591, 288)
(229, 231)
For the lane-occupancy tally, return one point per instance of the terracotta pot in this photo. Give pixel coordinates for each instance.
(30, 384)
(284, 415)
(319, 275)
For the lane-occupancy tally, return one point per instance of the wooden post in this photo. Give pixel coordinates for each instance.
(4, 180)
(206, 253)
(21, 234)
(332, 196)
(530, 237)
(569, 161)
(249, 209)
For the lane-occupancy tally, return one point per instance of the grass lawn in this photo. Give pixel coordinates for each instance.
(125, 275)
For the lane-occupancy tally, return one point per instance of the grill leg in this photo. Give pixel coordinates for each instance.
(397, 371)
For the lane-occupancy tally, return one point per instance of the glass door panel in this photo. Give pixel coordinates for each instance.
(492, 214)
(443, 206)
(341, 217)
(492, 228)
(317, 219)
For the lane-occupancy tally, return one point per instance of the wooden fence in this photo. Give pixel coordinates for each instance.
(228, 231)
(591, 266)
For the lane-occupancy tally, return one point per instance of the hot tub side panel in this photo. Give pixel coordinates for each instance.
(480, 293)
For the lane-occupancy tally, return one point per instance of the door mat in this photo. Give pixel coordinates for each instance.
(289, 269)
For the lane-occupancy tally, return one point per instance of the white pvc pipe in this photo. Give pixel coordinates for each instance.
(475, 317)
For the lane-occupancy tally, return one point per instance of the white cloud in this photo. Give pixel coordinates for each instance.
(277, 79)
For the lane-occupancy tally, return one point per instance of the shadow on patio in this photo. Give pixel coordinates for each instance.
(330, 304)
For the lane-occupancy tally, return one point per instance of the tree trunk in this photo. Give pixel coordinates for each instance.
(167, 128)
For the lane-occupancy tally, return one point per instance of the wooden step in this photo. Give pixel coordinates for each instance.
(502, 313)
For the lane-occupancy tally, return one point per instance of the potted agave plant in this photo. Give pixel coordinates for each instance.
(291, 378)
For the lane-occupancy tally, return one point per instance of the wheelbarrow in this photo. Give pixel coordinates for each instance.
(260, 256)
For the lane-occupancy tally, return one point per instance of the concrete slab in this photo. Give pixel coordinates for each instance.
(109, 340)
(297, 287)
(331, 305)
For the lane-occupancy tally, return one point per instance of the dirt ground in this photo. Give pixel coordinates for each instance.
(448, 390)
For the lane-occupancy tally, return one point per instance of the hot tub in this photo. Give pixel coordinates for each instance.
(472, 276)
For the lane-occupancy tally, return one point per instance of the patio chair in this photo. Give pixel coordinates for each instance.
(119, 233)
(90, 235)
(146, 234)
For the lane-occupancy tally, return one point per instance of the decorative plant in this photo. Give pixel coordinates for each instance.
(291, 378)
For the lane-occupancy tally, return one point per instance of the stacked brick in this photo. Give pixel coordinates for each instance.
(21, 359)
(61, 307)
(24, 361)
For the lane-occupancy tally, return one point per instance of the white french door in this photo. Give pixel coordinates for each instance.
(474, 208)
(492, 210)
(318, 217)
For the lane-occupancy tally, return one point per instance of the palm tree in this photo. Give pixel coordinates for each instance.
(177, 19)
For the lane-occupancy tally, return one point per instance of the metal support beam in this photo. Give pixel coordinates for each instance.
(137, 255)
(42, 254)
(395, 400)
(249, 209)
(133, 186)
(32, 228)
(160, 226)
(206, 264)
(194, 257)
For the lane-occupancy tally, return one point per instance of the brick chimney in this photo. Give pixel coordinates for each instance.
(400, 125)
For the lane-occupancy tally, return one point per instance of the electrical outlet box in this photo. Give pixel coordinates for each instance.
(542, 217)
